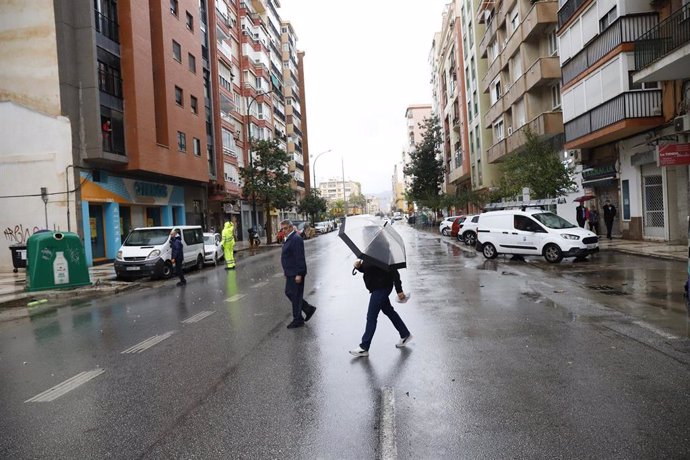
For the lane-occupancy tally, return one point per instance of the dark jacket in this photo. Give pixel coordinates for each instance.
(377, 278)
(177, 249)
(292, 257)
(609, 212)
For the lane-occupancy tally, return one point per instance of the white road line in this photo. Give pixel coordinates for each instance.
(148, 343)
(66, 386)
(198, 317)
(261, 284)
(236, 297)
(656, 330)
(278, 275)
(387, 444)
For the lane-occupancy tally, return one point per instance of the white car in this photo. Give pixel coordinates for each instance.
(446, 224)
(321, 227)
(213, 250)
(533, 232)
(468, 232)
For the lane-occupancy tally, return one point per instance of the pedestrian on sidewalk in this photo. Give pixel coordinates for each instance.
(228, 241)
(177, 255)
(609, 214)
(594, 221)
(580, 212)
(295, 269)
(380, 283)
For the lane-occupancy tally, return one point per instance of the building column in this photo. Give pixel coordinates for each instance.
(111, 216)
(86, 228)
(166, 216)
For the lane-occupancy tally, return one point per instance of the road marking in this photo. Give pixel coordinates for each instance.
(198, 317)
(66, 386)
(261, 284)
(236, 297)
(278, 275)
(656, 330)
(387, 445)
(148, 343)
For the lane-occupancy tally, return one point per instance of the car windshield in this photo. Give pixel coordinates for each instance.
(551, 220)
(147, 237)
(209, 239)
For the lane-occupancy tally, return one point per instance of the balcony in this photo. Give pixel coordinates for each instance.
(491, 73)
(540, 17)
(107, 27)
(568, 10)
(494, 112)
(623, 30)
(489, 34)
(514, 92)
(496, 151)
(513, 43)
(544, 71)
(663, 52)
(624, 115)
(545, 126)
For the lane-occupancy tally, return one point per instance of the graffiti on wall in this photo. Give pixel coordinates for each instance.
(18, 234)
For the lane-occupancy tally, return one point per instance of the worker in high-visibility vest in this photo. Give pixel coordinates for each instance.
(228, 241)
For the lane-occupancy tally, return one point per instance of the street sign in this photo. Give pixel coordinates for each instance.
(674, 154)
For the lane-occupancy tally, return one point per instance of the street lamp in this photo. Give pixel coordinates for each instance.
(248, 143)
(314, 165)
(44, 197)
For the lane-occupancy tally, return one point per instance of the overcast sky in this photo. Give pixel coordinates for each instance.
(365, 62)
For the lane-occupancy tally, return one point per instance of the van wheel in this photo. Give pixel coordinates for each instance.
(489, 251)
(199, 262)
(470, 238)
(553, 253)
(167, 271)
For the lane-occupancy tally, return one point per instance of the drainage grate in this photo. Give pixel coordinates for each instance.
(608, 290)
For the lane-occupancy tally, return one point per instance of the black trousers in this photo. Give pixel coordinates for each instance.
(179, 271)
(609, 226)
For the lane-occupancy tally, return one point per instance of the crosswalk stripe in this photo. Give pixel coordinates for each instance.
(236, 297)
(198, 317)
(148, 343)
(261, 284)
(278, 275)
(68, 385)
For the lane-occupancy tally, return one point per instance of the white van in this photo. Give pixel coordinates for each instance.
(146, 251)
(533, 232)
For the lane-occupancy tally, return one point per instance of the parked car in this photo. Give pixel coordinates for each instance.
(213, 250)
(469, 230)
(457, 225)
(533, 232)
(446, 224)
(146, 251)
(321, 227)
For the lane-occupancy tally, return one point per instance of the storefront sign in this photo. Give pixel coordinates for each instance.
(674, 154)
(598, 174)
(149, 189)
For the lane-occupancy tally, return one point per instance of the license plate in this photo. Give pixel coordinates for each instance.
(131, 269)
(591, 246)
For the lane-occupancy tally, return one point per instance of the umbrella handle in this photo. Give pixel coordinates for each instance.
(354, 271)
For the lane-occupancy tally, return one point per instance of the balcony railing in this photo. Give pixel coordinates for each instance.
(634, 104)
(671, 33)
(623, 30)
(567, 10)
(107, 27)
(110, 83)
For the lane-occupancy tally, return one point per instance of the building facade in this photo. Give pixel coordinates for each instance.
(414, 115)
(337, 189)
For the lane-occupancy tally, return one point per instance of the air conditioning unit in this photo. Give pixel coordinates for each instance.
(682, 123)
(510, 130)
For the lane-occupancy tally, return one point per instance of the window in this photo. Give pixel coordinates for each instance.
(641, 85)
(194, 104)
(498, 131)
(190, 22)
(174, 7)
(553, 43)
(556, 96)
(181, 141)
(177, 51)
(179, 95)
(608, 18)
(514, 20)
(197, 147)
(192, 62)
(495, 90)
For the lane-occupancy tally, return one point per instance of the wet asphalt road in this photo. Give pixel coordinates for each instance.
(509, 360)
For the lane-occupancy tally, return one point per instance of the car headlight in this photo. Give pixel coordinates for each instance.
(154, 254)
(119, 255)
(568, 236)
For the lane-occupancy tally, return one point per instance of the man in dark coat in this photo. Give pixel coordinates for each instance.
(177, 255)
(380, 283)
(295, 269)
(581, 215)
(609, 214)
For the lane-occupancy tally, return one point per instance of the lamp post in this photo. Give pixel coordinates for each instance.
(248, 143)
(314, 166)
(44, 197)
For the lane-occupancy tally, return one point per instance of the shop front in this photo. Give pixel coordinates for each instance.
(113, 205)
(602, 182)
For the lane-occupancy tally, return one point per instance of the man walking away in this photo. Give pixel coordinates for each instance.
(295, 270)
(177, 255)
(380, 283)
(609, 214)
(228, 241)
(580, 215)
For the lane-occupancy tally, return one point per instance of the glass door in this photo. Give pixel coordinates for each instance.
(97, 231)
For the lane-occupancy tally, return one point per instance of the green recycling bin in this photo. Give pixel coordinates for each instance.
(55, 260)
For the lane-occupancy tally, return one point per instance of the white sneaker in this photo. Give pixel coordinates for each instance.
(359, 351)
(403, 342)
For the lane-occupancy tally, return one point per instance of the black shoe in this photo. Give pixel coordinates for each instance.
(295, 324)
(181, 283)
(227, 268)
(309, 313)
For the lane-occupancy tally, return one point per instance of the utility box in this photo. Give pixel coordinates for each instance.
(55, 260)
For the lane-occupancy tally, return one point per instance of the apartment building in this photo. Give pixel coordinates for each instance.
(623, 72)
(522, 77)
(415, 115)
(337, 189)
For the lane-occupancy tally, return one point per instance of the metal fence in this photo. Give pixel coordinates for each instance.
(669, 34)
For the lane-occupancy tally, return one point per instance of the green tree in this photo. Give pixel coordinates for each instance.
(537, 167)
(337, 208)
(358, 202)
(266, 178)
(313, 204)
(425, 168)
